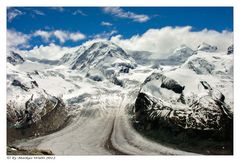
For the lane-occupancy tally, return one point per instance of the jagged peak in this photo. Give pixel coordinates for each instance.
(14, 58)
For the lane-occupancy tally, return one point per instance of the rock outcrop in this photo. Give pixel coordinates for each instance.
(205, 112)
(230, 50)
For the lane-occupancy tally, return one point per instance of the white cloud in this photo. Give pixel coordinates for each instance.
(118, 12)
(163, 41)
(44, 34)
(61, 35)
(38, 12)
(104, 23)
(77, 36)
(79, 12)
(16, 40)
(13, 13)
(105, 35)
(50, 52)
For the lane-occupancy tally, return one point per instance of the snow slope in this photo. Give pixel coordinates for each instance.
(87, 81)
(196, 95)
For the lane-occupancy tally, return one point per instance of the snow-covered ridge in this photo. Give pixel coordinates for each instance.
(203, 82)
(27, 103)
(99, 61)
(98, 52)
(181, 54)
(206, 47)
(14, 58)
(99, 81)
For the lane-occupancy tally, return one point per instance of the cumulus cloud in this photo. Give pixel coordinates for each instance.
(49, 52)
(13, 13)
(163, 41)
(61, 35)
(104, 23)
(16, 40)
(118, 12)
(77, 36)
(44, 34)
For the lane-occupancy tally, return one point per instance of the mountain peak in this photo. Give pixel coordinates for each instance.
(14, 58)
(105, 45)
(183, 49)
(98, 52)
(206, 47)
(180, 54)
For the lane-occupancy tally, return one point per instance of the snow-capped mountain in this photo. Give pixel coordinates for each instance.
(206, 47)
(14, 58)
(181, 54)
(191, 91)
(100, 61)
(27, 102)
(195, 96)
(100, 52)
(70, 59)
(189, 103)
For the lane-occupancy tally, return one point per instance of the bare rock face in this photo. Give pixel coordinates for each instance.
(206, 114)
(230, 50)
(33, 121)
(15, 58)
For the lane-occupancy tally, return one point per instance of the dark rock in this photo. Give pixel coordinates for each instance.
(200, 66)
(206, 113)
(181, 99)
(34, 83)
(151, 112)
(166, 82)
(97, 78)
(19, 84)
(15, 58)
(52, 118)
(116, 81)
(124, 70)
(173, 85)
(230, 50)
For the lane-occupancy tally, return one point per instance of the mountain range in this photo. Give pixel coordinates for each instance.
(190, 91)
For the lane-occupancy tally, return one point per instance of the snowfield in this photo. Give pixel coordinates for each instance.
(99, 84)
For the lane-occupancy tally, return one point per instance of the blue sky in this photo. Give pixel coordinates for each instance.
(75, 25)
